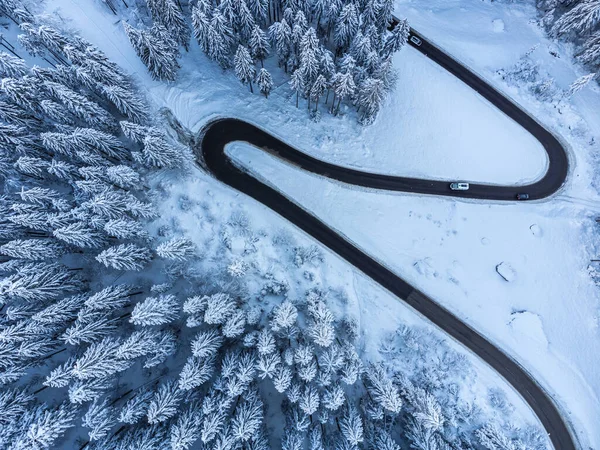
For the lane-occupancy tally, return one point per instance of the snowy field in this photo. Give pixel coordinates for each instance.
(546, 316)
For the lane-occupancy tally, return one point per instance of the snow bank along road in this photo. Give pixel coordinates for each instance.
(211, 154)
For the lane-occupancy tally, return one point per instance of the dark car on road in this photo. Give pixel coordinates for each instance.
(522, 196)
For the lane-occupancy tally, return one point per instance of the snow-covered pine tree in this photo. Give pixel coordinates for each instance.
(317, 90)
(165, 403)
(582, 19)
(371, 93)
(297, 83)
(352, 426)
(244, 66)
(99, 360)
(201, 25)
(125, 257)
(155, 311)
(196, 372)
(264, 82)
(80, 106)
(127, 102)
(206, 344)
(158, 152)
(280, 34)
(258, 44)
(157, 50)
(11, 66)
(169, 14)
(220, 40)
(346, 26)
(580, 82)
(186, 431)
(80, 235)
(248, 418)
(178, 249)
(343, 87)
(382, 389)
(397, 38)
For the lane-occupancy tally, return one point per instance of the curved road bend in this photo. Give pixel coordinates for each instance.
(212, 154)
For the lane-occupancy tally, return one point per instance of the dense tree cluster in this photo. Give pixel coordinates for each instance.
(75, 146)
(436, 414)
(577, 21)
(337, 49)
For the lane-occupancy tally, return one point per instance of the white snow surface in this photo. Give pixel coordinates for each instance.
(506, 271)
(446, 248)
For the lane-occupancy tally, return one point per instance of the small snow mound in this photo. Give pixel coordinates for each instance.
(506, 271)
(536, 230)
(529, 325)
(498, 25)
(424, 267)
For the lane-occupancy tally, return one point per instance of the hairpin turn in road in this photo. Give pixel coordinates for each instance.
(221, 132)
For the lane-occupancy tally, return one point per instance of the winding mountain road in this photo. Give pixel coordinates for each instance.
(221, 132)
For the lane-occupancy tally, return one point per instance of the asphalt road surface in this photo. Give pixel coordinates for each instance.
(211, 155)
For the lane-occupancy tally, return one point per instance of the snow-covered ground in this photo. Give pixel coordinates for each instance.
(546, 316)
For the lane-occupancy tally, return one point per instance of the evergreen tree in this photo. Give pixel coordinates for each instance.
(165, 402)
(125, 257)
(582, 19)
(48, 426)
(168, 13)
(281, 38)
(80, 106)
(201, 25)
(155, 311)
(397, 38)
(157, 152)
(179, 249)
(127, 102)
(157, 50)
(219, 308)
(206, 344)
(265, 82)
(352, 426)
(297, 83)
(258, 44)
(99, 361)
(343, 85)
(260, 9)
(334, 397)
(187, 429)
(248, 418)
(317, 90)
(100, 418)
(580, 83)
(11, 66)
(382, 389)
(370, 96)
(346, 26)
(32, 249)
(196, 372)
(136, 408)
(79, 235)
(220, 40)
(244, 66)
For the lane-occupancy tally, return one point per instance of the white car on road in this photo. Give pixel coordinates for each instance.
(415, 40)
(459, 186)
